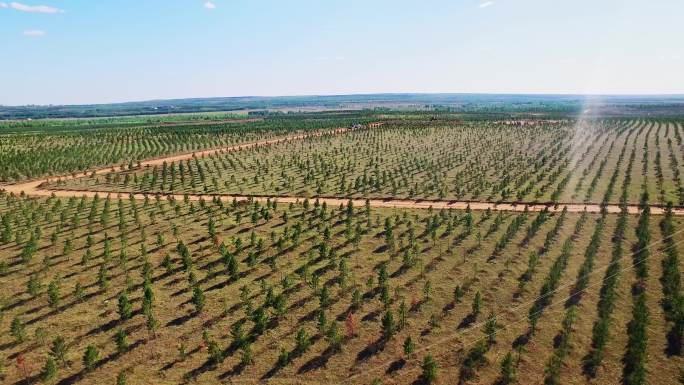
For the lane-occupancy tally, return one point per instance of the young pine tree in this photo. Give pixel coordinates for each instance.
(90, 357)
(49, 370)
(429, 367)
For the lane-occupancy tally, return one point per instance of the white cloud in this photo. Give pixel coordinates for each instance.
(32, 8)
(486, 4)
(3, 5)
(209, 5)
(34, 33)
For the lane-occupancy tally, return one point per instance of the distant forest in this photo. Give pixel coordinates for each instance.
(561, 105)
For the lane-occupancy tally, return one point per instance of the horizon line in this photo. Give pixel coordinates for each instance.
(552, 94)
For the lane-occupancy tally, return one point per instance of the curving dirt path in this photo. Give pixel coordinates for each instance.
(32, 187)
(37, 188)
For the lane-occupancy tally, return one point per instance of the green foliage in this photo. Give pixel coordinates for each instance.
(49, 370)
(477, 304)
(59, 349)
(121, 340)
(303, 341)
(198, 298)
(53, 293)
(121, 378)
(90, 357)
(283, 358)
(33, 285)
(388, 325)
(429, 368)
(673, 300)
(333, 336)
(18, 329)
(215, 352)
(551, 281)
(641, 248)
(409, 346)
(635, 356)
(490, 329)
(507, 375)
(125, 306)
(555, 362)
(246, 357)
(605, 306)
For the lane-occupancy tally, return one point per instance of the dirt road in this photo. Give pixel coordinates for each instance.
(36, 188)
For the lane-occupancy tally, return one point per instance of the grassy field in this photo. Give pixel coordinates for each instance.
(175, 291)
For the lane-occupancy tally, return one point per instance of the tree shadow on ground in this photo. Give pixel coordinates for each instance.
(467, 321)
(396, 366)
(372, 349)
(317, 362)
(181, 320)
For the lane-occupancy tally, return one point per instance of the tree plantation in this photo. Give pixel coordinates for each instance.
(209, 250)
(42, 148)
(559, 161)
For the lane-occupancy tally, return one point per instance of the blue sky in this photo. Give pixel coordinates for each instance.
(93, 51)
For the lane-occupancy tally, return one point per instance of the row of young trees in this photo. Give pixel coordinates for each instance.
(606, 304)
(326, 273)
(600, 331)
(472, 167)
(552, 279)
(348, 165)
(39, 150)
(673, 300)
(105, 227)
(634, 371)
